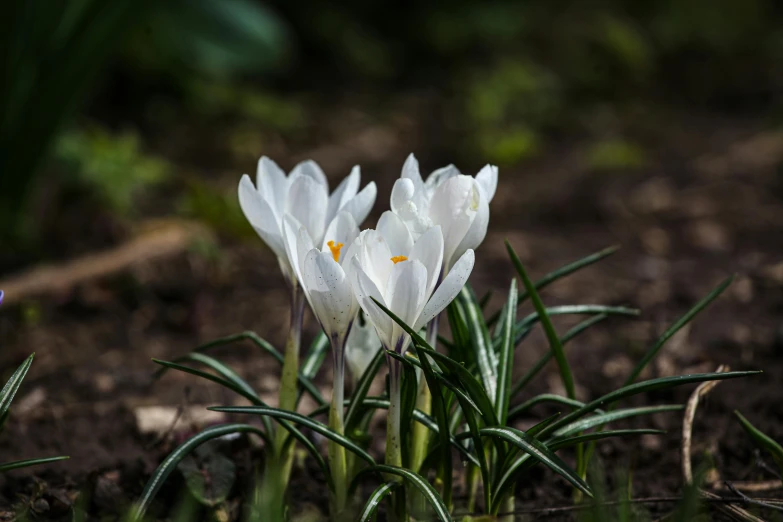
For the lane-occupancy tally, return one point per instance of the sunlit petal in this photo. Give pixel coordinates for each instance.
(448, 289)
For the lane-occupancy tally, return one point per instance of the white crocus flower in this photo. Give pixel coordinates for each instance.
(304, 195)
(403, 276)
(459, 204)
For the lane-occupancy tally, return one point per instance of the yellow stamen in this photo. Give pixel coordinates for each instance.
(335, 249)
(398, 259)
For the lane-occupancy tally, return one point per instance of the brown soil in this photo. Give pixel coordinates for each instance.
(708, 205)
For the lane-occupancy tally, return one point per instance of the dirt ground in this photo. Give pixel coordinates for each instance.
(708, 205)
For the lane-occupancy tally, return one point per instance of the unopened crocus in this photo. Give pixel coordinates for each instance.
(458, 203)
(392, 269)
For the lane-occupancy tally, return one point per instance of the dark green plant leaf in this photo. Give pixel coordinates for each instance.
(440, 509)
(506, 355)
(544, 397)
(16, 464)
(539, 452)
(598, 435)
(175, 457)
(673, 329)
(371, 506)
(605, 418)
(554, 341)
(561, 272)
(525, 325)
(642, 387)
(209, 475)
(481, 347)
(762, 440)
(307, 422)
(12, 386)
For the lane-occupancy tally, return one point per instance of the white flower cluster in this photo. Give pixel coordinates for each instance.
(414, 262)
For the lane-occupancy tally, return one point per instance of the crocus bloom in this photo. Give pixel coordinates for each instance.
(403, 275)
(304, 195)
(459, 204)
(322, 272)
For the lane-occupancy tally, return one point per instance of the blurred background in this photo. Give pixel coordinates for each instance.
(126, 125)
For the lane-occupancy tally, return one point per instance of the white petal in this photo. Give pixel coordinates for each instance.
(291, 231)
(454, 206)
(360, 348)
(261, 216)
(360, 205)
(375, 259)
(307, 202)
(488, 180)
(272, 184)
(449, 289)
(396, 234)
(312, 170)
(330, 292)
(406, 297)
(401, 196)
(410, 170)
(475, 234)
(344, 192)
(365, 289)
(429, 250)
(304, 244)
(441, 176)
(342, 229)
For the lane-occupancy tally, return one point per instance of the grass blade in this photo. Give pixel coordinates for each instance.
(371, 506)
(762, 440)
(307, 422)
(544, 397)
(8, 466)
(561, 272)
(598, 435)
(642, 387)
(170, 464)
(598, 420)
(480, 343)
(554, 341)
(540, 453)
(506, 355)
(673, 329)
(440, 509)
(12, 386)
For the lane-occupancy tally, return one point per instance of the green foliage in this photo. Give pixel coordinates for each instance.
(615, 155)
(762, 440)
(114, 167)
(209, 475)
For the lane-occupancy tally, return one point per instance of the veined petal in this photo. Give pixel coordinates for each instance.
(331, 296)
(396, 234)
(365, 289)
(406, 298)
(344, 192)
(312, 170)
(261, 216)
(307, 202)
(448, 289)
(487, 178)
(475, 234)
(360, 205)
(375, 258)
(454, 206)
(429, 250)
(272, 184)
(342, 229)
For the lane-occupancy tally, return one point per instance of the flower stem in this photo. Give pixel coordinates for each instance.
(336, 452)
(393, 447)
(421, 434)
(278, 465)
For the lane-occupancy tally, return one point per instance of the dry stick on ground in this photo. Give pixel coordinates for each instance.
(734, 512)
(168, 239)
